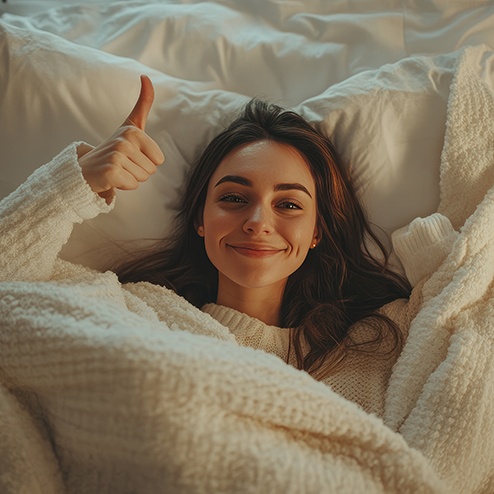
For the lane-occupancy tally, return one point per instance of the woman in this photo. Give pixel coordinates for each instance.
(271, 240)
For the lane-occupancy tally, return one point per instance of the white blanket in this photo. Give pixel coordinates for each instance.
(113, 402)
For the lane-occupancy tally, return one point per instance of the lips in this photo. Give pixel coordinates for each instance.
(256, 251)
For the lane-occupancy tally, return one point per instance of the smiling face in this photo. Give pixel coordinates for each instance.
(259, 218)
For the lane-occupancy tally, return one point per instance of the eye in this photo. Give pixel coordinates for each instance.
(289, 205)
(232, 198)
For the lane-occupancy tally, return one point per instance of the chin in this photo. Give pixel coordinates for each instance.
(253, 282)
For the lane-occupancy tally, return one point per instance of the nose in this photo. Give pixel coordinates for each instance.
(259, 220)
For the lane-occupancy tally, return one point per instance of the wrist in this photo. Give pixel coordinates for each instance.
(82, 149)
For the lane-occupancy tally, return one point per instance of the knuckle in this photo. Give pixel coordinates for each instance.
(122, 146)
(158, 158)
(131, 132)
(142, 177)
(114, 160)
(112, 173)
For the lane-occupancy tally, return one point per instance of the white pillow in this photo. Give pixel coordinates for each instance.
(388, 124)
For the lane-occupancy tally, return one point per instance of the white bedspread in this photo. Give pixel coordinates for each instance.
(205, 415)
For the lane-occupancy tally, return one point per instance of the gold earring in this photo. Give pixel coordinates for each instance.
(313, 246)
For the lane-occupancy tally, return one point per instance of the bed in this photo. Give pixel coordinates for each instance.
(375, 75)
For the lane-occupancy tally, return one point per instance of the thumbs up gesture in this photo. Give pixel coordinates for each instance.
(129, 156)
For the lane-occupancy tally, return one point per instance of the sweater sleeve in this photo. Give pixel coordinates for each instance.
(36, 220)
(423, 245)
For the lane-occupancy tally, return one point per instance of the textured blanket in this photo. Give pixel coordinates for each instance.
(98, 399)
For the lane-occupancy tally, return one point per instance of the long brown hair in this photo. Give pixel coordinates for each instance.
(339, 283)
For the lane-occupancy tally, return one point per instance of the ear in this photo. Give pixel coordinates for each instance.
(198, 224)
(316, 238)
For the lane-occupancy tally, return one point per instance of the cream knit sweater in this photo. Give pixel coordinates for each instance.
(362, 379)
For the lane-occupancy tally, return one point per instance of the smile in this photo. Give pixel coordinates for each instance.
(256, 252)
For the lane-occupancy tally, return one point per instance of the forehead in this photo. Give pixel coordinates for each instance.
(266, 162)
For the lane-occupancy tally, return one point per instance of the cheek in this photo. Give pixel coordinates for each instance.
(301, 233)
(214, 220)
(217, 225)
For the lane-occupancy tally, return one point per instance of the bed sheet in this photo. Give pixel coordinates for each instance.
(374, 75)
(32, 7)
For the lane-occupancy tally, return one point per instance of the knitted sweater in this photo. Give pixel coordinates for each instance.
(363, 378)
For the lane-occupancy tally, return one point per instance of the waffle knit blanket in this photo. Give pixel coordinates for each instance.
(101, 393)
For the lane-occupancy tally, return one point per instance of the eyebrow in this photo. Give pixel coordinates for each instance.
(237, 179)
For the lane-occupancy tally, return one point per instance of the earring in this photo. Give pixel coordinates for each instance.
(313, 246)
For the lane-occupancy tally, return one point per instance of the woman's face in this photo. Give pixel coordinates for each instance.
(260, 215)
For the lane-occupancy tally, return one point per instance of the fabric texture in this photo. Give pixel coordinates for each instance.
(131, 389)
(363, 379)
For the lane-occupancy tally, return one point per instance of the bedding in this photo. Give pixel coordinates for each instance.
(406, 95)
(375, 76)
(119, 395)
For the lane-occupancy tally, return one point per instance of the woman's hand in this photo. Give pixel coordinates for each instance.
(129, 156)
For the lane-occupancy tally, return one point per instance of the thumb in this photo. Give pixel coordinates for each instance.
(139, 114)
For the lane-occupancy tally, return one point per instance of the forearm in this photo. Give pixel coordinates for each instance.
(36, 220)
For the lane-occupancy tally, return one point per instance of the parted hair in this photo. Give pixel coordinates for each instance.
(340, 282)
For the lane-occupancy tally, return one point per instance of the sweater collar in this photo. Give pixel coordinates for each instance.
(237, 322)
